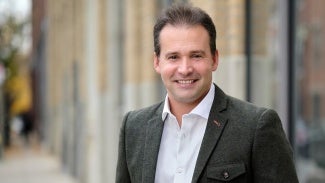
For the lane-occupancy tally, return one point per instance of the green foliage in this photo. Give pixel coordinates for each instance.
(11, 40)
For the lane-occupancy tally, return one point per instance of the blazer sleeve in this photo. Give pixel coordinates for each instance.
(272, 157)
(122, 173)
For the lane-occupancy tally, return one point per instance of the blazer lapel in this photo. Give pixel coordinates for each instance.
(214, 129)
(151, 148)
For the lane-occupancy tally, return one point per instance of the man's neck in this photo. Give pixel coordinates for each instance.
(178, 109)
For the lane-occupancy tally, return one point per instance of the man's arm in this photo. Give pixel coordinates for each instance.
(122, 173)
(272, 158)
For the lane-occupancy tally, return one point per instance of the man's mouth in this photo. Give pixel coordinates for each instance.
(186, 81)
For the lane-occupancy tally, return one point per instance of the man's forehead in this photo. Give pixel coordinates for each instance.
(179, 31)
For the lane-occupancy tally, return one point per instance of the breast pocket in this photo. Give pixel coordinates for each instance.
(226, 173)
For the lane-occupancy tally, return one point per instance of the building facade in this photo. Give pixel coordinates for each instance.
(93, 61)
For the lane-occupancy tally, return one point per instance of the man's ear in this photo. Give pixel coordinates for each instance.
(215, 60)
(156, 63)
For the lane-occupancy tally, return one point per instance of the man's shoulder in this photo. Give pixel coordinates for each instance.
(147, 112)
(235, 105)
(243, 107)
(241, 103)
(249, 114)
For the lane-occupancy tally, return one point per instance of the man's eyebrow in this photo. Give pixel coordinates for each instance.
(191, 52)
(171, 53)
(198, 52)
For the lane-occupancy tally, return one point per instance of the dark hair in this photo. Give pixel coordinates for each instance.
(184, 14)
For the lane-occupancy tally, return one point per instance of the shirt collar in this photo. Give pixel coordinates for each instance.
(202, 109)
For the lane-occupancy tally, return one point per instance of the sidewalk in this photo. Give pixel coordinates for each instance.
(31, 165)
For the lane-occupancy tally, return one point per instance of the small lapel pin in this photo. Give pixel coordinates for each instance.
(217, 123)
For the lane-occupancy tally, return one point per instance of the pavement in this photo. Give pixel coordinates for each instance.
(22, 164)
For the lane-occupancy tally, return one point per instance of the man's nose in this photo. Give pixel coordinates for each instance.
(185, 67)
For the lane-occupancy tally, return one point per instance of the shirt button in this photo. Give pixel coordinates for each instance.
(184, 135)
(179, 170)
(225, 175)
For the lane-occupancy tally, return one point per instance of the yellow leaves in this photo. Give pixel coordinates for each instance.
(19, 90)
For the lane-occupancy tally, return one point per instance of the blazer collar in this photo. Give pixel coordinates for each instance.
(216, 123)
(151, 147)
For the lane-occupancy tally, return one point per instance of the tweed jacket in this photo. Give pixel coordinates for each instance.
(242, 143)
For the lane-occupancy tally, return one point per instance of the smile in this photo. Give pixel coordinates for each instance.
(185, 81)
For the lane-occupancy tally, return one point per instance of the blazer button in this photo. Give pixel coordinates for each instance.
(225, 175)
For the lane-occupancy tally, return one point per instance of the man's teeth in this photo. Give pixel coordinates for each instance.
(185, 81)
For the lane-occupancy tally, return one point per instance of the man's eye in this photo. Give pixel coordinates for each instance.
(173, 57)
(197, 56)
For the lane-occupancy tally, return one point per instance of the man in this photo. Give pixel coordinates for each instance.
(199, 134)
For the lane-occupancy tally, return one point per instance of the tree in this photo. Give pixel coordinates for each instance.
(13, 34)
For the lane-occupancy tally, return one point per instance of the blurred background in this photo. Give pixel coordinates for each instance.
(69, 70)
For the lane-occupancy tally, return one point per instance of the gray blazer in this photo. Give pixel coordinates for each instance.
(242, 143)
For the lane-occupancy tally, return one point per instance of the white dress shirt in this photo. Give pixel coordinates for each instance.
(179, 146)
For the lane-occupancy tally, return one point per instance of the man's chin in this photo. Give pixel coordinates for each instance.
(187, 99)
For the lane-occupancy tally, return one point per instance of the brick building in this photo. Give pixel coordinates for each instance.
(93, 62)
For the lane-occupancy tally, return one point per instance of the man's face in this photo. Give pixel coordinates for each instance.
(185, 63)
